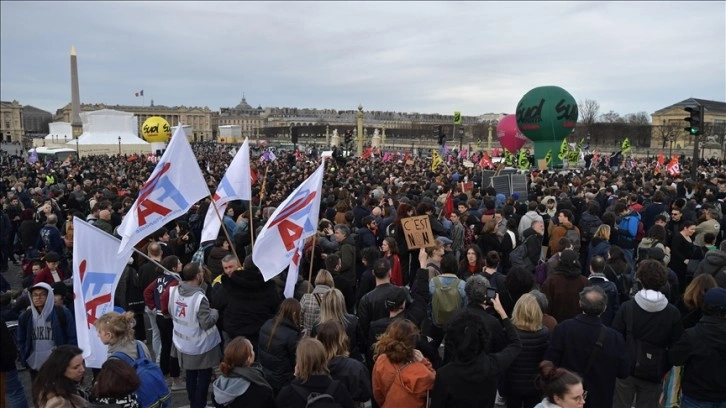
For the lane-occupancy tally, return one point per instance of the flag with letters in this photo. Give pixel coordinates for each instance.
(436, 160)
(548, 157)
(673, 167)
(522, 160)
(173, 187)
(564, 149)
(293, 221)
(235, 185)
(293, 271)
(97, 268)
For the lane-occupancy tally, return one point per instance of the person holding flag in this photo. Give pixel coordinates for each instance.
(235, 185)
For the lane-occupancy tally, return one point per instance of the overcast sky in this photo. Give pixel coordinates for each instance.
(428, 57)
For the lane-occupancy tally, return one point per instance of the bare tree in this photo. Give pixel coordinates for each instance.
(640, 118)
(589, 110)
(666, 133)
(611, 117)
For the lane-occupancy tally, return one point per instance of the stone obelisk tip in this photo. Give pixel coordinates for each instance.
(73, 51)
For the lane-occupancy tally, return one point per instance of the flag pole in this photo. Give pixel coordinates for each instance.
(226, 233)
(312, 256)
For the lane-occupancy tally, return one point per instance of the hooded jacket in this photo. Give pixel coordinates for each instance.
(245, 387)
(246, 301)
(474, 383)
(32, 319)
(714, 263)
(648, 243)
(277, 351)
(562, 289)
(526, 222)
(402, 385)
(702, 352)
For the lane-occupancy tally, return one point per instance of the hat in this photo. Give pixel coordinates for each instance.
(569, 257)
(52, 257)
(41, 285)
(395, 298)
(515, 196)
(656, 253)
(715, 297)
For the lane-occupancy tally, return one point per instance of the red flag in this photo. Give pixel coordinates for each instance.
(661, 158)
(486, 161)
(449, 205)
(673, 167)
(405, 157)
(367, 154)
(253, 175)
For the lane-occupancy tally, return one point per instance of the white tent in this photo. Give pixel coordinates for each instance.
(59, 131)
(107, 131)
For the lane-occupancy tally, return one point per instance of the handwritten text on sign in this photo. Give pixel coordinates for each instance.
(418, 232)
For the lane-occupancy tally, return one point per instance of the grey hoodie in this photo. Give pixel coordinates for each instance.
(650, 300)
(42, 328)
(226, 389)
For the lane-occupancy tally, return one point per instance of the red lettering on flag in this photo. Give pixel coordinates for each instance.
(93, 305)
(148, 207)
(289, 232)
(292, 209)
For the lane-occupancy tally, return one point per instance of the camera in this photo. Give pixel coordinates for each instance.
(490, 295)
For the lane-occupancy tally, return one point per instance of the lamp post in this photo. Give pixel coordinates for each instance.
(119, 145)
(489, 140)
(78, 152)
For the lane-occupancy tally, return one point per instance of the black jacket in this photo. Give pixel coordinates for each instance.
(290, 398)
(497, 339)
(571, 345)
(356, 341)
(245, 302)
(354, 375)
(474, 383)
(258, 394)
(714, 263)
(702, 352)
(520, 377)
(10, 352)
(372, 306)
(277, 356)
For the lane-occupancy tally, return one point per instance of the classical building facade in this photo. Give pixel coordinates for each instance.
(668, 127)
(11, 121)
(200, 119)
(36, 121)
(250, 119)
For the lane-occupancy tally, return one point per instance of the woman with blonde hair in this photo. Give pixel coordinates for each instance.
(333, 308)
(278, 339)
(242, 384)
(402, 376)
(116, 330)
(434, 254)
(350, 372)
(519, 388)
(312, 376)
(310, 302)
(599, 245)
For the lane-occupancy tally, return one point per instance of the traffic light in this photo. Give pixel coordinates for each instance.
(695, 121)
(440, 135)
(348, 137)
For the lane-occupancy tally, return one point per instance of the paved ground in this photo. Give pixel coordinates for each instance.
(179, 398)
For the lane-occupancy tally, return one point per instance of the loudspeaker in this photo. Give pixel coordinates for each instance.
(295, 135)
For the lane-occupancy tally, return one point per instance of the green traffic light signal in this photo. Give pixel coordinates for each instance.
(695, 120)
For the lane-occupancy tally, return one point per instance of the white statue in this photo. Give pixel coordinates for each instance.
(335, 132)
(376, 133)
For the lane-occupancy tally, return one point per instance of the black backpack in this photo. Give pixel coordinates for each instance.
(318, 400)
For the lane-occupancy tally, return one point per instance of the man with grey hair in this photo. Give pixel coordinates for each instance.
(711, 225)
(584, 345)
(479, 305)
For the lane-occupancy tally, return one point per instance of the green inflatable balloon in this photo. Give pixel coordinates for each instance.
(547, 113)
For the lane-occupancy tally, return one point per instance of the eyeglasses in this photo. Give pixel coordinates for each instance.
(674, 214)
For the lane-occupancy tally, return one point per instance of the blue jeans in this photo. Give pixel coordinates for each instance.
(15, 391)
(198, 386)
(688, 402)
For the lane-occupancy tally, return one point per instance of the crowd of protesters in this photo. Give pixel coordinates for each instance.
(597, 288)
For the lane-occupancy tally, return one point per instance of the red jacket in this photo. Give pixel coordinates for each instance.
(47, 277)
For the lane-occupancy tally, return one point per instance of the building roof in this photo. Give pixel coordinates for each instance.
(243, 105)
(709, 106)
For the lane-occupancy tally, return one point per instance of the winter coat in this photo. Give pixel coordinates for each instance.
(245, 302)
(474, 382)
(526, 222)
(598, 246)
(714, 263)
(572, 344)
(347, 254)
(277, 352)
(702, 352)
(650, 212)
(289, 397)
(648, 243)
(245, 387)
(588, 225)
(354, 375)
(520, 377)
(611, 290)
(562, 289)
(310, 306)
(402, 385)
(214, 260)
(627, 230)
(353, 329)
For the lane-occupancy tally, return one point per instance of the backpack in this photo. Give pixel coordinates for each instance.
(540, 273)
(520, 257)
(198, 256)
(153, 391)
(574, 236)
(650, 359)
(318, 400)
(446, 299)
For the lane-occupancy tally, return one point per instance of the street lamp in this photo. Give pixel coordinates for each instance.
(119, 145)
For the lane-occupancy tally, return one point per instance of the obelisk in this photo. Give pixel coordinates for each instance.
(76, 124)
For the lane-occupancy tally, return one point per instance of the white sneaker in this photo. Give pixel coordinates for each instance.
(177, 384)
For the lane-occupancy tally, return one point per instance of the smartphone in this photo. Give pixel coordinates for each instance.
(491, 294)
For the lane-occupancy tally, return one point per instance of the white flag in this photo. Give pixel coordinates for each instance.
(293, 271)
(97, 268)
(174, 186)
(235, 185)
(293, 221)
